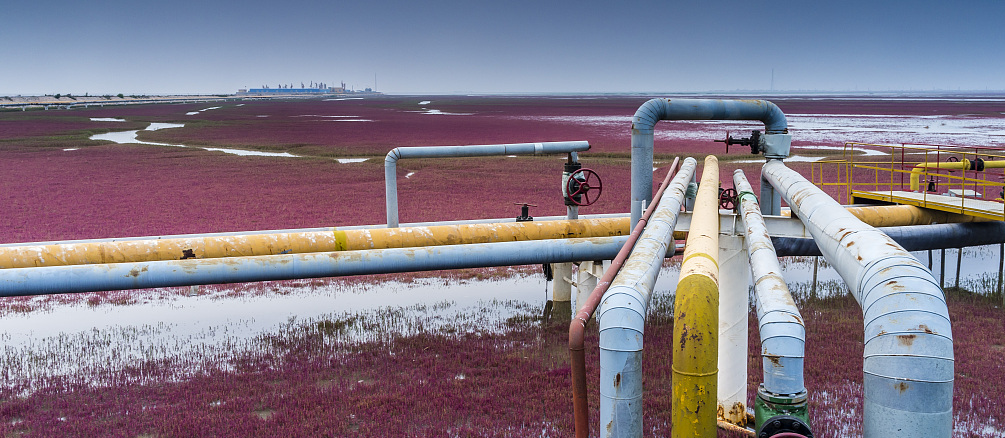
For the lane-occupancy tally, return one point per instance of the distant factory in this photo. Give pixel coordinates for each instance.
(311, 88)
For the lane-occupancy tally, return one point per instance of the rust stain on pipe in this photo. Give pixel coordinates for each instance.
(577, 328)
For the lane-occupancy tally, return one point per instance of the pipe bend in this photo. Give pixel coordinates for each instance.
(392, 156)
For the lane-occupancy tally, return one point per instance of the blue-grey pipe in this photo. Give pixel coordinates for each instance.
(654, 110)
(913, 238)
(781, 328)
(391, 161)
(622, 314)
(142, 275)
(909, 362)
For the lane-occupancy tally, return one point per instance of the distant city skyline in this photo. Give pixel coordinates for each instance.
(533, 47)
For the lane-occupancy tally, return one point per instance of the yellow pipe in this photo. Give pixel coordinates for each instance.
(303, 242)
(963, 164)
(904, 215)
(696, 316)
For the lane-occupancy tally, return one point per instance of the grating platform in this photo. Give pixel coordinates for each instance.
(968, 206)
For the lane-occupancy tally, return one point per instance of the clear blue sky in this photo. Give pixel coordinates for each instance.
(474, 46)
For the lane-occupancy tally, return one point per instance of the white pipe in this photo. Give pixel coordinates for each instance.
(622, 314)
(391, 161)
(780, 326)
(167, 273)
(909, 361)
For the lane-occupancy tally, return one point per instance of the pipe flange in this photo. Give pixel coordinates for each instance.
(781, 424)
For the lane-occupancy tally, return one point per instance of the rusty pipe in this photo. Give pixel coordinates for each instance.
(781, 328)
(696, 316)
(908, 363)
(622, 312)
(577, 328)
(216, 246)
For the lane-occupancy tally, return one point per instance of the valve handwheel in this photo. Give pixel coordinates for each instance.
(586, 184)
(727, 199)
(952, 159)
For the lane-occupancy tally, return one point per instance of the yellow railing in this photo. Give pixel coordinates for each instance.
(973, 176)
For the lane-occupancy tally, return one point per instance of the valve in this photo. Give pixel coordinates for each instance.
(754, 141)
(524, 212)
(727, 199)
(580, 185)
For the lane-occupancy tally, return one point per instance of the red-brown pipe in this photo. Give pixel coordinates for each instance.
(577, 328)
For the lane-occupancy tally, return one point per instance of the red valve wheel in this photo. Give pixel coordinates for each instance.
(583, 183)
(727, 199)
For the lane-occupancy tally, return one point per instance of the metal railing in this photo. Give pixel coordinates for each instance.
(964, 179)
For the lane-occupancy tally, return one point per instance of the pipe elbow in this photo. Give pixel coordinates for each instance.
(392, 157)
(650, 112)
(774, 119)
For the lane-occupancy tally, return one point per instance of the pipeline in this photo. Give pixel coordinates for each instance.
(167, 273)
(908, 362)
(622, 314)
(654, 110)
(913, 238)
(898, 215)
(205, 247)
(696, 316)
(391, 161)
(780, 326)
(964, 164)
(577, 328)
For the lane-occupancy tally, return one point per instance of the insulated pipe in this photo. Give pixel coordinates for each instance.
(302, 242)
(780, 326)
(577, 328)
(913, 238)
(391, 161)
(167, 273)
(622, 315)
(654, 110)
(696, 316)
(898, 215)
(908, 363)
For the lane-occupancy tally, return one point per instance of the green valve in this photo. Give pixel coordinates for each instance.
(782, 412)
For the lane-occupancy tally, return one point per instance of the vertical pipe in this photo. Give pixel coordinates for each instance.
(622, 312)
(734, 304)
(942, 269)
(696, 316)
(816, 266)
(577, 328)
(780, 326)
(959, 260)
(1001, 269)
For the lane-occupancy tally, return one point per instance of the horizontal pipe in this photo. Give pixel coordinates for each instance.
(780, 326)
(143, 275)
(303, 242)
(899, 215)
(391, 161)
(696, 316)
(306, 230)
(913, 238)
(908, 362)
(654, 110)
(622, 312)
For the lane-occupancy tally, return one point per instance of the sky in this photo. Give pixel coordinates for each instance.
(475, 46)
